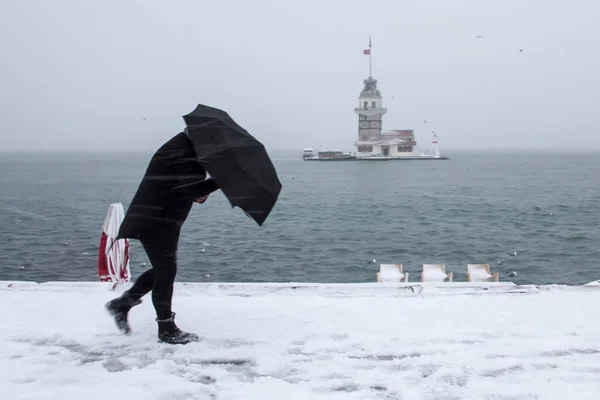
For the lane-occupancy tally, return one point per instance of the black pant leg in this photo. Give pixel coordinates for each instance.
(163, 257)
(142, 285)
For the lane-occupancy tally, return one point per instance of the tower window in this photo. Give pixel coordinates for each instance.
(374, 104)
(366, 104)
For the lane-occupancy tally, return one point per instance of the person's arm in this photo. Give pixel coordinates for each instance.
(188, 174)
(197, 189)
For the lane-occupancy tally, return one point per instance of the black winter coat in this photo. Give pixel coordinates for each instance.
(173, 180)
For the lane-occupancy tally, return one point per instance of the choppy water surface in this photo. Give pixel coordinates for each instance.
(332, 218)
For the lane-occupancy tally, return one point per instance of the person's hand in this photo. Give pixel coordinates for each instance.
(201, 199)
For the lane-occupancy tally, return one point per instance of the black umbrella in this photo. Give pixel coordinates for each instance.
(237, 161)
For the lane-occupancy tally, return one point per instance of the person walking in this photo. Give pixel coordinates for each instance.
(174, 180)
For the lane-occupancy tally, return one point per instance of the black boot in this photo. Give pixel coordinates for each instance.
(119, 309)
(169, 333)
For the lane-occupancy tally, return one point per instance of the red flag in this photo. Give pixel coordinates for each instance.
(367, 51)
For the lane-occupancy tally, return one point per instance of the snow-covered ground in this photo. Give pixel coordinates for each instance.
(310, 341)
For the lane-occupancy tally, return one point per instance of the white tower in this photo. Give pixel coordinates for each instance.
(370, 108)
(436, 146)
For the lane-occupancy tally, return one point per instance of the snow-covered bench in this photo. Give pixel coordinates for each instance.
(391, 273)
(435, 273)
(481, 273)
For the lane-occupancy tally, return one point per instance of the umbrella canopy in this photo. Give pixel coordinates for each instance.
(237, 161)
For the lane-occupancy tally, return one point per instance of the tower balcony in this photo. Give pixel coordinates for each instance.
(370, 111)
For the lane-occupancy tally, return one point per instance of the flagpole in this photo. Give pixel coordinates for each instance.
(370, 74)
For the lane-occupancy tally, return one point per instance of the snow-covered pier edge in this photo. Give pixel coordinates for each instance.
(273, 341)
(334, 289)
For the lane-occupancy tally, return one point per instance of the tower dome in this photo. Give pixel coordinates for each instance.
(370, 89)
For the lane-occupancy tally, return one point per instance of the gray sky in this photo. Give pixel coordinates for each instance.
(81, 74)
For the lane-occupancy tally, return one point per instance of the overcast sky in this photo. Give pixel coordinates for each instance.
(82, 74)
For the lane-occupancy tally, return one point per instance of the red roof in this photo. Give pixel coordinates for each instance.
(399, 132)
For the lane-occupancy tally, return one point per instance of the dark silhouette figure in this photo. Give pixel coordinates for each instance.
(173, 181)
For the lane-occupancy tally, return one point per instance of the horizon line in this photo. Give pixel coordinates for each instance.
(452, 149)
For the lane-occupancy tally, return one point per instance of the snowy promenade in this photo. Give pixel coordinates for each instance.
(305, 341)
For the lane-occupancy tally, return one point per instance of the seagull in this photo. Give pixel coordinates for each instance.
(479, 37)
(513, 254)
